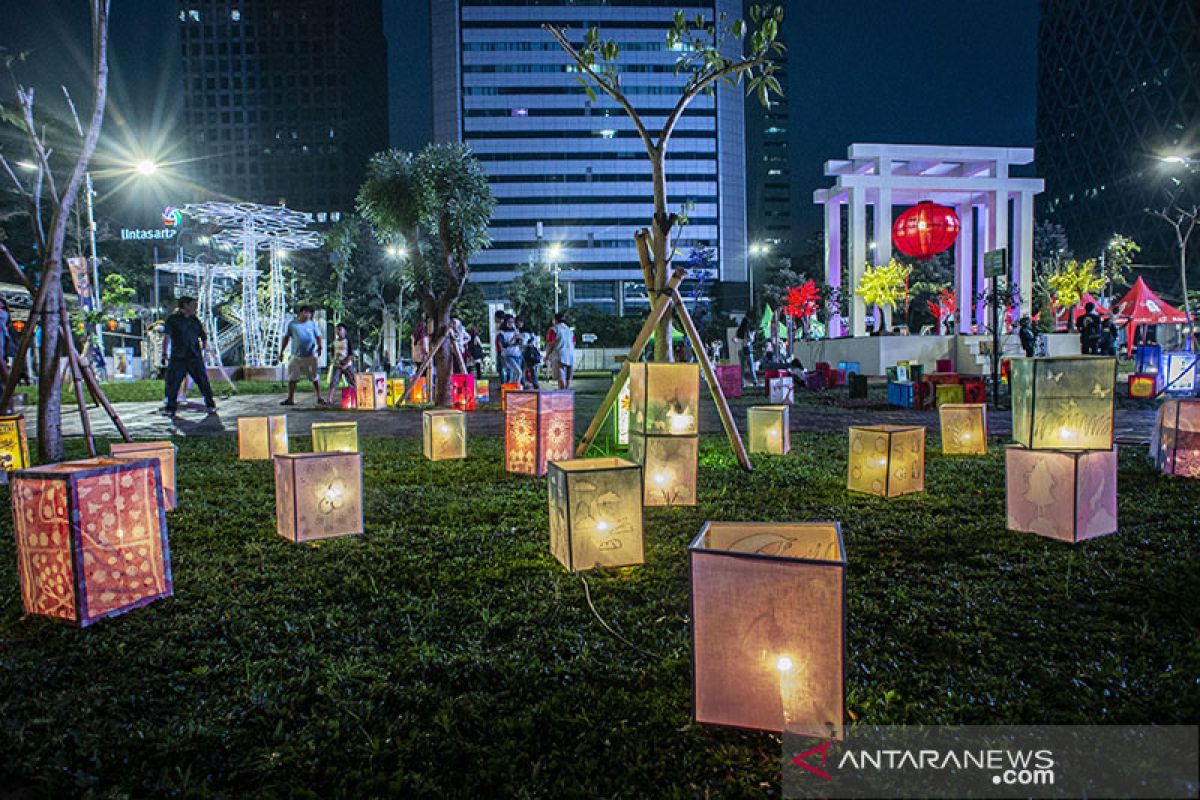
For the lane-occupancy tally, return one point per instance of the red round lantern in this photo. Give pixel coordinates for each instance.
(925, 230)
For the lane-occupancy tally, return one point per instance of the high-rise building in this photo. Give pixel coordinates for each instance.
(1118, 89)
(570, 174)
(285, 101)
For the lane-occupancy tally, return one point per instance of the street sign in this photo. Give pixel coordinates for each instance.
(995, 263)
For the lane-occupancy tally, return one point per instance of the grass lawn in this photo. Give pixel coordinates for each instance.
(146, 391)
(446, 654)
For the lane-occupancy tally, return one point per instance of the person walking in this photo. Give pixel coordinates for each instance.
(305, 337)
(745, 337)
(561, 354)
(1027, 336)
(343, 360)
(508, 340)
(185, 342)
(1108, 338)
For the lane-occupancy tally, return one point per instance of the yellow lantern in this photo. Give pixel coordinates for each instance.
(372, 388)
(964, 429)
(318, 495)
(165, 453)
(944, 393)
(261, 438)
(664, 426)
(539, 427)
(1063, 403)
(768, 626)
(482, 391)
(91, 538)
(395, 391)
(1070, 495)
(669, 466)
(596, 513)
(770, 431)
(887, 460)
(1175, 443)
(335, 437)
(14, 446)
(444, 434)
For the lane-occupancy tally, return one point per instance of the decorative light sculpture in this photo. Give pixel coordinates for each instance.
(539, 427)
(165, 453)
(1064, 402)
(91, 538)
(372, 389)
(964, 429)
(664, 404)
(925, 230)
(444, 434)
(887, 460)
(349, 397)
(596, 513)
(768, 627)
(209, 294)
(1069, 495)
(335, 437)
(14, 446)
(261, 438)
(770, 431)
(462, 391)
(318, 495)
(1175, 443)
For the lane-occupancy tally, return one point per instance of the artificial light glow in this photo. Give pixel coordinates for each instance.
(554, 250)
(396, 251)
(784, 664)
(1174, 159)
(443, 430)
(146, 167)
(603, 526)
(773, 433)
(680, 423)
(27, 165)
(1066, 433)
(660, 478)
(333, 493)
(608, 133)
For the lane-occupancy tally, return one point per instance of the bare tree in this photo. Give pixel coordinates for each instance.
(1183, 221)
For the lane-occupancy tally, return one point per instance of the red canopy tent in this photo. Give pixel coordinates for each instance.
(1141, 306)
(1060, 314)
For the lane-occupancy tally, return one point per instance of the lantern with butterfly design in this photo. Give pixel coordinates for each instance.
(318, 495)
(1065, 402)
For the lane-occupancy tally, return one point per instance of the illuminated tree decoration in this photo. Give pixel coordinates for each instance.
(802, 301)
(165, 453)
(444, 434)
(91, 538)
(462, 391)
(770, 431)
(14, 445)
(318, 495)
(1064, 402)
(596, 513)
(539, 427)
(372, 390)
(261, 438)
(1070, 495)
(925, 230)
(887, 460)
(1175, 443)
(964, 429)
(768, 626)
(335, 437)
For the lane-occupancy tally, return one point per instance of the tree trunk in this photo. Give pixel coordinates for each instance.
(443, 360)
(1187, 309)
(659, 233)
(49, 421)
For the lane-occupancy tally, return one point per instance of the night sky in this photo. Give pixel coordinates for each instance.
(936, 72)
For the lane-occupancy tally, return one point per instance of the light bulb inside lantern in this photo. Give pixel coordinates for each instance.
(660, 478)
(1066, 433)
(443, 429)
(333, 493)
(773, 433)
(680, 423)
(784, 664)
(603, 526)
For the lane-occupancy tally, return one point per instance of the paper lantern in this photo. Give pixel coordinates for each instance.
(318, 495)
(164, 452)
(335, 437)
(669, 467)
(482, 392)
(1063, 402)
(781, 390)
(925, 230)
(444, 434)
(664, 399)
(1143, 387)
(768, 627)
(1180, 372)
(372, 390)
(964, 429)
(14, 446)
(947, 393)
(887, 460)
(91, 538)
(395, 392)
(538, 427)
(505, 388)
(937, 378)
(620, 416)
(462, 392)
(349, 397)
(1175, 443)
(974, 390)
(420, 391)
(943, 365)
(596, 513)
(769, 430)
(260, 438)
(729, 378)
(1069, 495)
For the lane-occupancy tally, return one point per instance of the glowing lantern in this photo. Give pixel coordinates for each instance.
(335, 437)
(729, 377)
(947, 393)
(505, 388)
(14, 446)
(1175, 443)
(1180, 368)
(349, 397)
(770, 431)
(596, 513)
(462, 392)
(420, 391)
(91, 538)
(444, 434)
(164, 452)
(768, 626)
(669, 466)
(1064, 402)
(887, 460)
(620, 416)
(318, 495)
(781, 389)
(964, 429)
(538, 427)
(372, 390)
(482, 391)
(1143, 387)
(260, 438)
(395, 391)
(1067, 495)
(925, 230)
(664, 407)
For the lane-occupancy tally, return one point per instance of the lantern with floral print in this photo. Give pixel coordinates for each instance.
(444, 434)
(964, 429)
(318, 495)
(664, 403)
(538, 427)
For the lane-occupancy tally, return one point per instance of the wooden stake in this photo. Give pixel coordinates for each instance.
(76, 378)
(424, 366)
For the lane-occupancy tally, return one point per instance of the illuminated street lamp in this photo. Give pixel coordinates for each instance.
(552, 254)
(146, 167)
(756, 249)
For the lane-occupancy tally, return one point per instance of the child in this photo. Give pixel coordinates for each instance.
(342, 364)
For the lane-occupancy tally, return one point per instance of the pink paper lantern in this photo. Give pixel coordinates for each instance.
(729, 376)
(1069, 495)
(1175, 443)
(538, 427)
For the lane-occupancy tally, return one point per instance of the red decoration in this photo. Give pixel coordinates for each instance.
(802, 301)
(944, 306)
(925, 230)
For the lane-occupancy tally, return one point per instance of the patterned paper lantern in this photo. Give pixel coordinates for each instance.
(349, 397)
(1175, 443)
(729, 377)
(620, 416)
(372, 390)
(164, 452)
(420, 391)
(335, 437)
(1063, 402)
(1143, 387)
(781, 389)
(1180, 369)
(505, 388)
(260, 438)
(770, 431)
(318, 495)
(539, 427)
(974, 390)
(14, 446)
(925, 230)
(395, 392)
(91, 538)
(596, 513)
(462, 392)
(669, 468)
(1066, 495)
(964, 429)
(887, 460)
(948, 393)
(444, 434)
(482, 390)
(664, 407)
(768, 627)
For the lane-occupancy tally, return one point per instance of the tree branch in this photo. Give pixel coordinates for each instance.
(693, 90)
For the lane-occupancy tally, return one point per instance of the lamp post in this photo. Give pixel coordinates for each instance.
(756, 249)
(1184, 221)
(399, 253)
(552, 254)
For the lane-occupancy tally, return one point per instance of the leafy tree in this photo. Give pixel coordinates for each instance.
(1071, 281)
(532, 295)
(1118, 258)
(778, 280)
(883, 286)
(340, 242)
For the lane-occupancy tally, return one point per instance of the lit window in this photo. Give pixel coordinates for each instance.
(607, 133)
(520, 112)
(235, 15)
(194, 15)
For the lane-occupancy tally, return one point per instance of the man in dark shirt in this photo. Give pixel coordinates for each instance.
(185, 340)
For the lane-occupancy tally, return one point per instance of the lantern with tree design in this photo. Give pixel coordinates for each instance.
(261, 438)
(1063, 402)
(887, 460)
(444, 434)
(539, 427)
(1069, 495)
(770, 431)
(596, 513)
(964, 429)
(318, 495)
(164, 452)
(335, 437)
(14, 446)
(925, 230)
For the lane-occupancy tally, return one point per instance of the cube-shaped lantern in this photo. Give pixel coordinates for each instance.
(420, 391)
(462, 391)
(782, 389)
(1179, 370)
(620, 416)
(943, 365)
(1063, 402)
(947, 393)
(261, 438)
(91, 537)
(768, 626)
(596, 513)
(482, 391)
(395, 391)
(14, 446)
(349, 397)
(164, 452)
(850, 367)
(1147, 359)
(964, 429)
(664, 399)
(335, 437)
(444, 434)
(1143, 387)
(1175, 443)
(669, 467)
(887, 460)
(1069, 495)
(974, 390)
(318, 495)
(729, 377)
(505, 388)
(372, 390)
(770, 431)
(539, 427)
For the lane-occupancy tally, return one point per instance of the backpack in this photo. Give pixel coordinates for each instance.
(532, 355)
(476, 349)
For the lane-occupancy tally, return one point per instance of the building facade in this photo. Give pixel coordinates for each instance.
(1118, 89)
(570, 174)
(285, 101)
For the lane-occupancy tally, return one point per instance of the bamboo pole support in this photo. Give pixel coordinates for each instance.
(76, 379)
